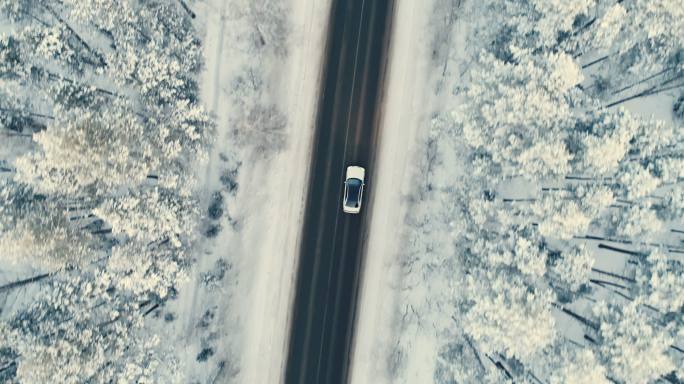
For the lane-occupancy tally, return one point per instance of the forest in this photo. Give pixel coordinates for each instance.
(554, 254)
(101, 126)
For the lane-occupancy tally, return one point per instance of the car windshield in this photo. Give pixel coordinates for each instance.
(353, 192)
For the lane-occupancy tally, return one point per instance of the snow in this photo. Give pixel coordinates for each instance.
(250, 309)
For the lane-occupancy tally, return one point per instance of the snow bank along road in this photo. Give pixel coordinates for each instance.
(332, 242)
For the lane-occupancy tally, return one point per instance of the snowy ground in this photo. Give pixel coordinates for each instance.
(237, 325)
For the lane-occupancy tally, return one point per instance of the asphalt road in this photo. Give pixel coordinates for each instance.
(333, 242)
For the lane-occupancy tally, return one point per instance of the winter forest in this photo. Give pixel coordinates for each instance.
(100, 126)
(556, 255)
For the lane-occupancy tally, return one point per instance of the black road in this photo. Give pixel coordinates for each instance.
(332, 241)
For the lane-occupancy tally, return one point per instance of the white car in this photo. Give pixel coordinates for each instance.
(353, 189)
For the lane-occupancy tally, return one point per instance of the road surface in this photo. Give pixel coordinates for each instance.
(333, 242)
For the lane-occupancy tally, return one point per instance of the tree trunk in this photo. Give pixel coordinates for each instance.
(500, 366)
(648, 92)
(591, 324)
(589, 64)
(670, 248)
(615, 275)
(98, 55)
(477, 355)
(620, 250)
(152, 308)
(7, 365)
(21, 283)
(187, 9)
(642, 81)
(606, 282)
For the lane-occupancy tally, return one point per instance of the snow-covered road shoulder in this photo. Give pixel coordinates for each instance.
(277, 223)
(262, 89)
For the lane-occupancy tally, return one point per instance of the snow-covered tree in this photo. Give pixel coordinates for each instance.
(17, 9)
(637, 181)
(642, 36)
(565, 363)
(17, 114)
(671, 207)
(37, 231)
(141, 269)
(603, 140)
(517, 248)
(572, 267)
(531, 114)
(508, 316)
(669, 168)
(12, 58)
(636, 221)
(151, 215)
(76, 331)
(271, 28)
(633, 349)
(560, 218)
(580, 367)
(541, 24)
(89, 153)
(516, 115)
(262, 127)
(152, 45)
(660, 282)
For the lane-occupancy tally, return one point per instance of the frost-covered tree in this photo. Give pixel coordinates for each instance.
(151, 215)
(561, 218)
(17, 9)
(517, 248)
(89, 153)
(152, 46)
(509, 316)
(572, 267)
(628, 46)
(660, 282)
(37, 231)
(77, 331)
(532, 122)
(516, 116)
(143, 269)
(566, 363)
(17, 114)
(669, 168)
(671, 207)
(638, 221)
(179, 136)
(642, 37)
(579, 367)
(262, 127)
(633, 349)
(603, 141)
(538, 24)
